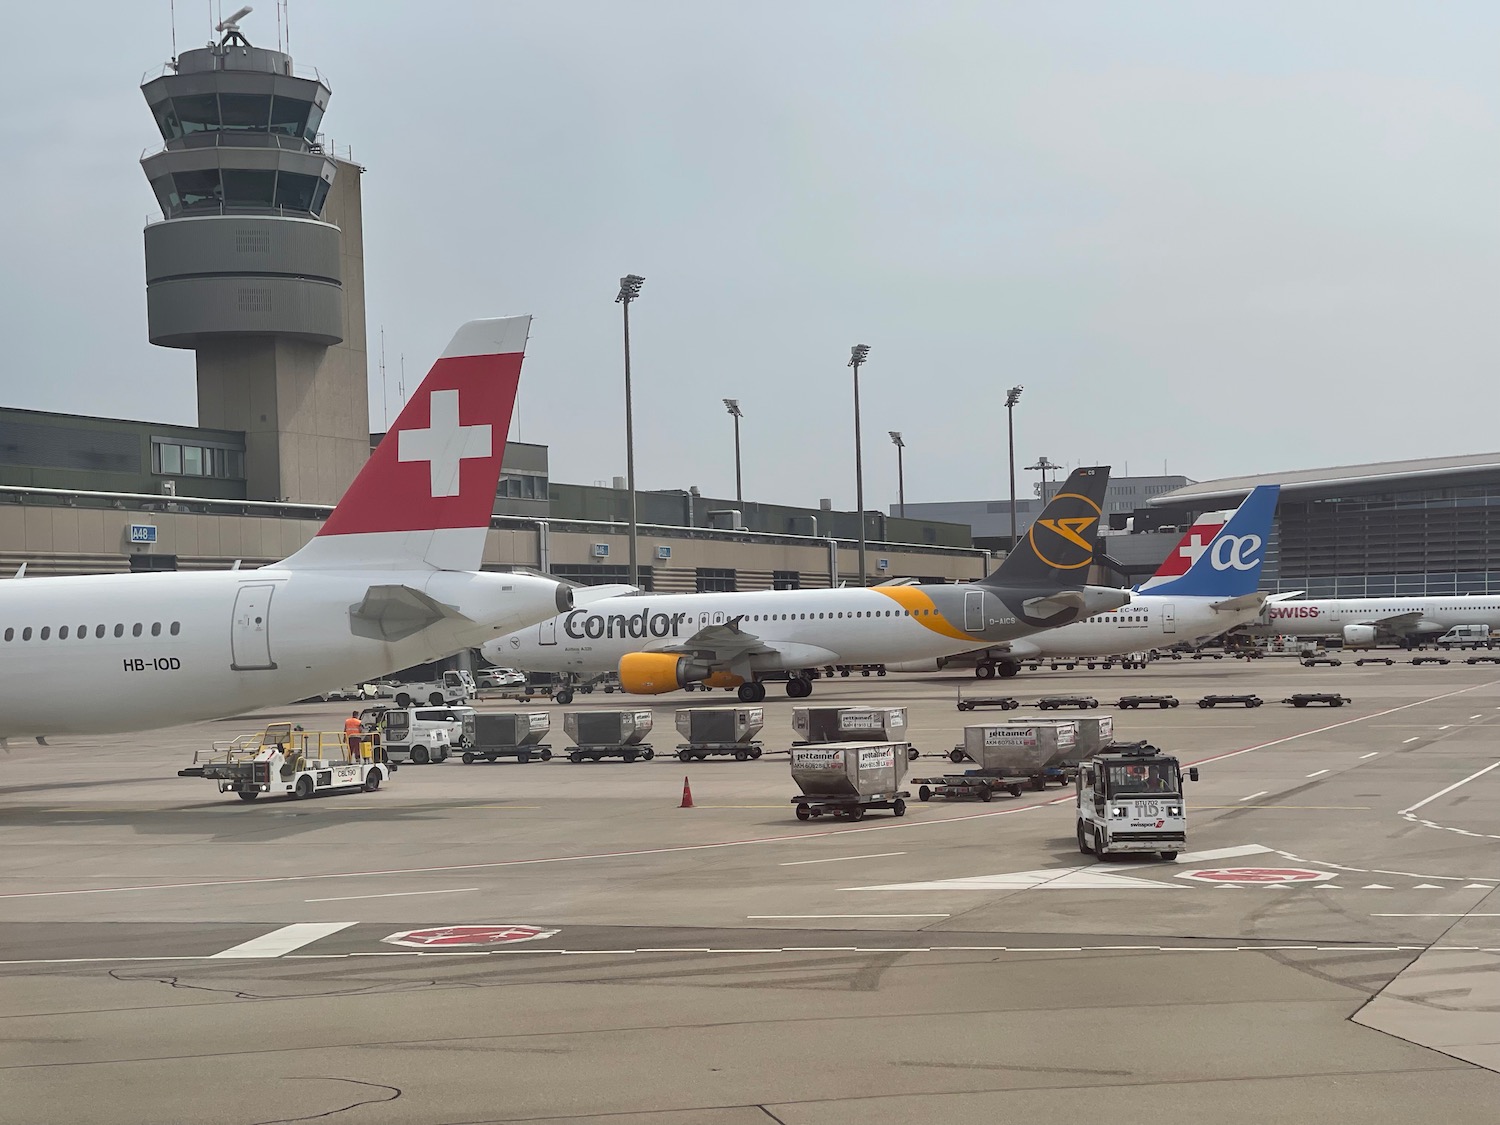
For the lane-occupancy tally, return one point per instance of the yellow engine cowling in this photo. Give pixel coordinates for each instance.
(652, 673)
(723, 680)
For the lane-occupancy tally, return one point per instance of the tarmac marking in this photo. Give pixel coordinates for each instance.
(1319, 773)
(768, 917)
(1252, 796)
(393, 894)
(1444, 792)
(284, 940)
(1446, 726)
(838, 859)
(1435, 915)
(1371, 754)
(729, 950)
(1404, 741)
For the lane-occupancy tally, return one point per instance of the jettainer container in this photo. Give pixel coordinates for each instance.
(720, 726)
(607, 728)
(849, 770)
(849, 724)
(1021, 747)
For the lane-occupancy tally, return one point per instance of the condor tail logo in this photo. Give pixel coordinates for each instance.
(1072, 529)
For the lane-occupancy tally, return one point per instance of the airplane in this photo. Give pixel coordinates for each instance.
(392, 579)
(1205, 587)
(1365, 622)
(660, 642)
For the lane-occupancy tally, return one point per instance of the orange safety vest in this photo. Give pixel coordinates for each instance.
(353, 726)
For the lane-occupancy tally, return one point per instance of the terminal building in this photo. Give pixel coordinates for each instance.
(1420, 527)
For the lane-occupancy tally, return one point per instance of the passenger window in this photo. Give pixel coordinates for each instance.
(26, 633)
(176, 627)
(99, 630)
(83, 631)
(62, 634)
(46, 632)
(10, 634)
(156, 628)
(119, 630)
(136, 631)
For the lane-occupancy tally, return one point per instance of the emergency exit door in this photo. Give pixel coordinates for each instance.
(1169, 618)
(250, 632)
(547, 632)
(973, 611)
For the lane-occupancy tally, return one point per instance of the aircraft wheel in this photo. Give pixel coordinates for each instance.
(984, 671)
(563, 697)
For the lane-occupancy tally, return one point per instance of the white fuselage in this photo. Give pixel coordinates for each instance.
(807, 628)
(1147, 622)
(1328, 617)
(105, 653)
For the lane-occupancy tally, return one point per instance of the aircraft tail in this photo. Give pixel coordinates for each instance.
(1059, 546)
(1229, 566)
(1189, 549)
(424, 498)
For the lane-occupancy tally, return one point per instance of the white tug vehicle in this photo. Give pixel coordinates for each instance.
(1130, 800)
(288, 760)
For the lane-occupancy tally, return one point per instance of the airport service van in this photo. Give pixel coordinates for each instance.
(408, 738)
(457, 721)
(1466, 636)
(1130, 800)
(283, 759)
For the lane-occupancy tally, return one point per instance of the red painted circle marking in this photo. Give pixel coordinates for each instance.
(447, 937)
(1256, 875)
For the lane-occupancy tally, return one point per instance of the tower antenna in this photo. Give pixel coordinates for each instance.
(172, 7)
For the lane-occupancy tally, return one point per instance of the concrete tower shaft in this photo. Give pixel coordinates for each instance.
(257, 264)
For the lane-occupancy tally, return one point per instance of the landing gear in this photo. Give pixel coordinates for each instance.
(1007, 669)
(984, 671)
(564, 697)
(752, 691)
(798, 687)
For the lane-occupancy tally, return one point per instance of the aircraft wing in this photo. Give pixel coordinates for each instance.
(1398, 623)
(1254, 601)
(722, 643)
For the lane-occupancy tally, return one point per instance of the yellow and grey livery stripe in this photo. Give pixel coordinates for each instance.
(913, 599)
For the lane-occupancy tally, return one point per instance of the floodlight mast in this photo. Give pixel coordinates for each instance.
(858, 354)
(630, 289)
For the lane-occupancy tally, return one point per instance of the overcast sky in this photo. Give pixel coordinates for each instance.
(1231, 238)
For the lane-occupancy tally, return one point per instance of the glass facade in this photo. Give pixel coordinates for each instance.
(184, 115)
(175, 459)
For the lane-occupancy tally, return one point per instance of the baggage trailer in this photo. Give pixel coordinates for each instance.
(719, 730)
(609, 734)
(1209, 701)
(510, 734)
(1131, 702)
(819, 724)
(844, 779)
(1057, 702)
(1327, 698)
(998, 702)
(973, 783)
(297, 763)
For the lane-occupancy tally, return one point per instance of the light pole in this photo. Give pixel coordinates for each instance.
(630, 289)
(857, 356)
(900, 472)
(733, 406)
(1012, 397)
(1044, 465)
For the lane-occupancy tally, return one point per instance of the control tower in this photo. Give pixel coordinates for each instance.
(258, 264)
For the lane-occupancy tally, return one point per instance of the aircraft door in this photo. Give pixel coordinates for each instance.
(973, 611)
(250, 630)
(547, 632)
(1169, 618)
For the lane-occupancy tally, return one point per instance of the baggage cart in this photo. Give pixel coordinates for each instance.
(510, 734)
(1327, 698)
(1058, 702)
(609, 734)
(1131, 702)
(719, 730)
(974, 783)
(845, 779)
(998, 702)
(814, 725)
(1215, 700)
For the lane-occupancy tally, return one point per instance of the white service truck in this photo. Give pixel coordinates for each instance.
(1466, 636)
(288, 760)
(407, 737)
(1130, 800)
(453, 687)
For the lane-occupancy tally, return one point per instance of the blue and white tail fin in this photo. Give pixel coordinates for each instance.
(1229, 567)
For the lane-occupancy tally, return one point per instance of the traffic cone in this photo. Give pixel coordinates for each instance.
(687, 795)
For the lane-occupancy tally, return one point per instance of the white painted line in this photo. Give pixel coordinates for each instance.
(1252, 796)
(762, 917)
(393, 894)
(1320, 773)
(1218, 853)
(1446, 726)
(1450, 789)
(1476, 716)
(1404, 741)
(1371, 754)
(838, 859)
(1435, 915)
(284, 940)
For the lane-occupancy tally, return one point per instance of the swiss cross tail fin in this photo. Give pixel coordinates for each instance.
(1193, 543)
(1230, 565)
(1059, 546)
(424, 498)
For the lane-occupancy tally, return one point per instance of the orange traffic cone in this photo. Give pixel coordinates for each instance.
(687, 795)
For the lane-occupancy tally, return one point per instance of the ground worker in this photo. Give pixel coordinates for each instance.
(353, 728)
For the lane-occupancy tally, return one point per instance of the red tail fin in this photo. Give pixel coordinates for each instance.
(425, 496)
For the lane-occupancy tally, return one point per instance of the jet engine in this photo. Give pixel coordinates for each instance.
(1359, 636)
(722, 680)
(652, 673)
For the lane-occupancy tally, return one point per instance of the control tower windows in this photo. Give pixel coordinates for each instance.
(289, 116)
(166, 120)
(244, 113)
(294, 192)
(320, 195)
(198, 113)
(249, 187)
(197, 189)
(314, 119)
